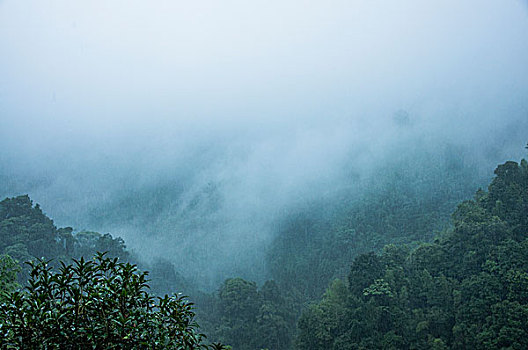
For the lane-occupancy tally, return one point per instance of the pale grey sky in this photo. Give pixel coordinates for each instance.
(86, 65)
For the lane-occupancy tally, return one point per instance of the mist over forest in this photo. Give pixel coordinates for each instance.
(235, 139)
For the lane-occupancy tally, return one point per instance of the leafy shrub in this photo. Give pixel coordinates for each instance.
(95, 304)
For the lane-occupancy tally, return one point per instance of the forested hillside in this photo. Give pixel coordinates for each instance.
(294, 175)
(465, 290)
(404, 200)
(69, 296)
(26, 233)
(405, 287)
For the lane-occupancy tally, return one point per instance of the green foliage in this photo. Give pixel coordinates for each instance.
(8, 276)
(406, 200)
(164, 278)
(466, 290)
(365, 269)
(26, 233)
(98, 304)
(321, 323)
(245, 317)
(87, 243)
(401, 204)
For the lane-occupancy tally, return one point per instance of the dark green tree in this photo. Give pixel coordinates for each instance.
(239, 305)
(8, 276)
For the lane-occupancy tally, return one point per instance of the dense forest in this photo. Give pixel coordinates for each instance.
(263, 175)
(385, 270)
(465, 290)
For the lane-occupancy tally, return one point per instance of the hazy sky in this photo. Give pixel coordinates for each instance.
(268, 98)
(106, 66)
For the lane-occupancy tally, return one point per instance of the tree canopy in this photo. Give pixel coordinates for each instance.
(465, 290)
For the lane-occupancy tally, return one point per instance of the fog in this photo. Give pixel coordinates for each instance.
(191, 128)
